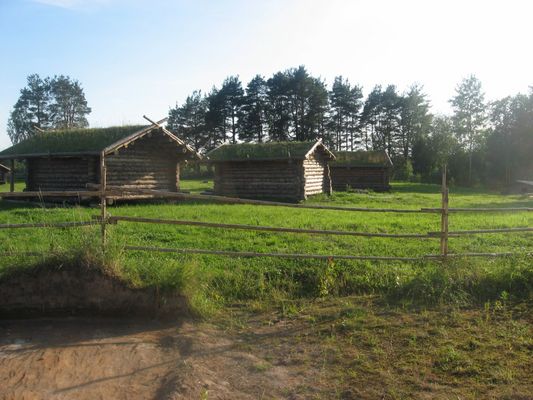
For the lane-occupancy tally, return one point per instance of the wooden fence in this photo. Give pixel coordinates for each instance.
(104, 192)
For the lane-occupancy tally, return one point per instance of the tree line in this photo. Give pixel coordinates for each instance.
(481, 142)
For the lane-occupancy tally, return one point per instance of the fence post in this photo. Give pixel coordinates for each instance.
(12, 176)
(444, 217)
(103, 201)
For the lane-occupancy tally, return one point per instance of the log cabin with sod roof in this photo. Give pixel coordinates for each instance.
(135, 157)
(361, 170)
(3, 173)
(283, 171)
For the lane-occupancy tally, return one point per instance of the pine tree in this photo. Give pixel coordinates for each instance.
(215, 118)
(232, 96)
(345, 103)
(469, 116)
(189, 121)
(252, 119)
(415, 119)
(278, 107)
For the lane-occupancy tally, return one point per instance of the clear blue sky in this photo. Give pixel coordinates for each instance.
(137, 56)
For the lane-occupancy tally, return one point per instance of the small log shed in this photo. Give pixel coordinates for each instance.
(524, 186)
(145, 157)
(361, 170)
(3, 173)
(283, 171)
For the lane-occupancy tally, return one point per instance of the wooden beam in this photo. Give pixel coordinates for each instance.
(278, 255)
(480, 231)
(12, 176)
(466, 255)
(50, 224)
(234, 200)
(314, 256)
(103, 201)
(268, 228)
(62, 154)
(491, 209)
(444, 216)
(68, 193)
(158, 123)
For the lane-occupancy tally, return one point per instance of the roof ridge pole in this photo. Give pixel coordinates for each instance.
(158, 123)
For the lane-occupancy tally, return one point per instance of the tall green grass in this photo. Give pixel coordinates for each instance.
(211, 281)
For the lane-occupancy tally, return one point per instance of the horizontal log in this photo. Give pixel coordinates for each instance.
(49, 225)
(492, 209)
(234, 200)
(278, 255)
(276, 175)
(481, 231)
(133, 182)
(266, 228)
(466, 255)
(61, 193)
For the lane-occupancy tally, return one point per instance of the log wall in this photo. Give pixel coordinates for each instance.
(151, 162)
(273, 180)
(344, 177)
(316, 174)
(148, 163)
(2, 177)
(56, 174)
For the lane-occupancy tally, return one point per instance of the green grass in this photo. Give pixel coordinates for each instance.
(356, 348)
(422, 330)
(221, 280)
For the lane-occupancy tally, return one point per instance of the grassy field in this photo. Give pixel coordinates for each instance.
(235, 279)
(421, 329)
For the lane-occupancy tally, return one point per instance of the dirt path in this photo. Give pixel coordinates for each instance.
(109, 359)
(345, 348)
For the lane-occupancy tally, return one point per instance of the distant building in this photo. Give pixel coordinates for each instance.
(146, 157)
(361, 170)
(524, 186)
(3, 173)
(284, 171)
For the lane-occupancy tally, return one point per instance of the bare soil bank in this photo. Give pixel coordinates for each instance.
(342, 348)
(117, 359)
(69, 290)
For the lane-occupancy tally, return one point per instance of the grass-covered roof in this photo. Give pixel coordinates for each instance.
(362, 158)
(81, 141)
(263, 151)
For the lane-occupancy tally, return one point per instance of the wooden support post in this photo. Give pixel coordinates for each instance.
(103, 201)
(444, 217)
(12, 176)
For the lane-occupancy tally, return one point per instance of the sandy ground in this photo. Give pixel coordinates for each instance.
(111, 359)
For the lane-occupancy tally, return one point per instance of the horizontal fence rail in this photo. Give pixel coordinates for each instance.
(50, 224)
(482, 209)
(114, 219)
(313, 256)
(47, 194)
(277, 255)
(482, 231)
(125, 193)
(117, 191)
(248, 254)
(103, 192)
